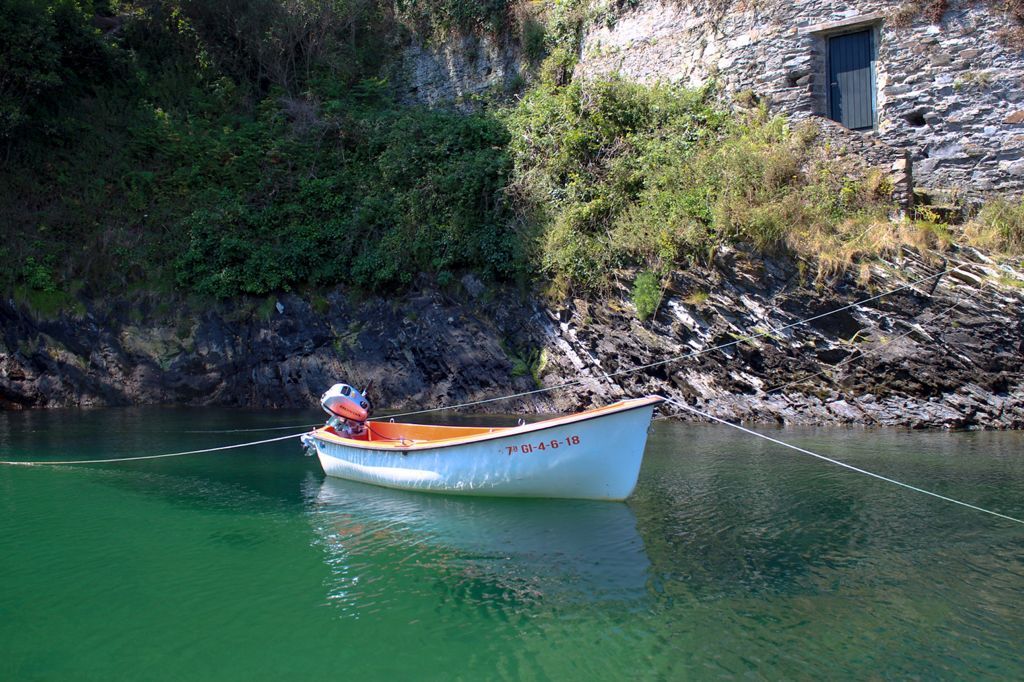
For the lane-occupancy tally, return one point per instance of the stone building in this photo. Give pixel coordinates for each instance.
(939, 83)
(933, 84)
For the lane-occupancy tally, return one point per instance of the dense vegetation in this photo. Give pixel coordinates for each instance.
(223, 162)
(624, 174)
(252, 146)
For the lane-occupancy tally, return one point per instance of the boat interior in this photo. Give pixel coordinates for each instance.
(377, 432)
(381, 434)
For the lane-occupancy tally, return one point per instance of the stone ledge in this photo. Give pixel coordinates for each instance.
(859, 21)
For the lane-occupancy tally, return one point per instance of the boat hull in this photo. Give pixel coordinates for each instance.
(590, 458)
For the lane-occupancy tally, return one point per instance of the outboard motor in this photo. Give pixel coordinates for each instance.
(348, 408)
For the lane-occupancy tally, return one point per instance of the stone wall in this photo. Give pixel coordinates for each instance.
(949, 95)
(871, 152)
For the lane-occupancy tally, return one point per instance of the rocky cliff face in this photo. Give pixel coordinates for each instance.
(456, 71)
(948, 356)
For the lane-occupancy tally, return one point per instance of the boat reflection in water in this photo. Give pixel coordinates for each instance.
(494, 551)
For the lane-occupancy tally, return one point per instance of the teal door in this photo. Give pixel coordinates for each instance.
(851, 78)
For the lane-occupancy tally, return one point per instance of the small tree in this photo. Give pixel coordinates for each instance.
(646, 295)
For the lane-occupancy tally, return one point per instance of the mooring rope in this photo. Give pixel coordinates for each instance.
(268, 428)
(677, 358)
(575, 382)
(880, 477)
(631, 370)
(161, 456)
(858, 354)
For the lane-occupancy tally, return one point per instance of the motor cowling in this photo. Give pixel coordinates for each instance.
(344, 401)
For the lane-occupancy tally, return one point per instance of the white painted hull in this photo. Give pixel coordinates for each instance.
(595, 457)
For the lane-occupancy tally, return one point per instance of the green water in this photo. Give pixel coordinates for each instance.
(733, 559)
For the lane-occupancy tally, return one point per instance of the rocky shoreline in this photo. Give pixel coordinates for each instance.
(946, 353)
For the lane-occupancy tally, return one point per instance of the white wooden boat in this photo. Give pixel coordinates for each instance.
(594, 454)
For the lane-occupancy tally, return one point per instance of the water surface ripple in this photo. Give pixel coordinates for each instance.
(734, 558)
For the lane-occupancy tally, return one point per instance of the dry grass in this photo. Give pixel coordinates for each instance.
(858, 241)
(696, 298)
(904, 15)
(998, 227)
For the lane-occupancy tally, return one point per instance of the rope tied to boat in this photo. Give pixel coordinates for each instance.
(693, 354)
(639, 368)
(290, 427)
(165, 455)
(711, 417)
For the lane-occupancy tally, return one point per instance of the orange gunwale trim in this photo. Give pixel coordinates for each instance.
(462, 435)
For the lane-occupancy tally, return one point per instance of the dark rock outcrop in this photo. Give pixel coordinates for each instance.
(946, 352)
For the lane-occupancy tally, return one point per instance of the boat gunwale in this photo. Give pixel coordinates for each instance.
(322, 434)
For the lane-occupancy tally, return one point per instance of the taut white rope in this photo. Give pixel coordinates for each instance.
(694, 410)
(168, 454)
(692, 354)
(522, 394)
(859, 353)
(268, 428)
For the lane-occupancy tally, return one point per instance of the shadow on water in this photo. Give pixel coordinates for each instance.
(496, 553)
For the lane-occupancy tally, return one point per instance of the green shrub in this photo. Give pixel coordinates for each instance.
(50, 53)
(38, 277)
(230, 160)
(646, 295)
(528, 361)
(655, 176)
(30, 58)
(410, 190)
(440, 18)
(532, 35)
(320, 305)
